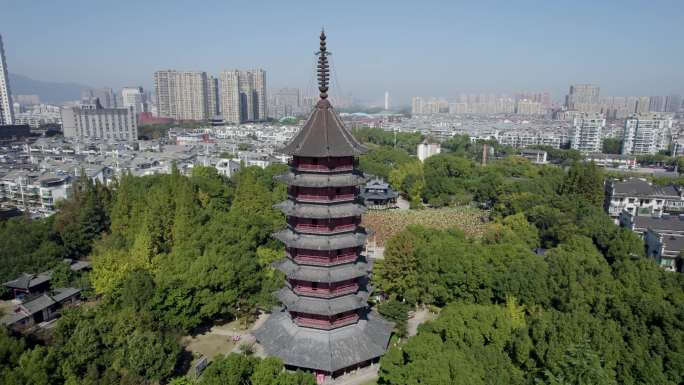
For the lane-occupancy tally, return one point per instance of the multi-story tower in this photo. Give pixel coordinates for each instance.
(583, 98)
(325, 324)
(212, 96)
(181, 95)
(134, 97)
(6, 112)
(417, 105)
(259, 94)
(104, 95)
(647, 134)
(243, 95)
(247, 96)
(643, 104)
(229, 96)
(673, 103)
(587, 133)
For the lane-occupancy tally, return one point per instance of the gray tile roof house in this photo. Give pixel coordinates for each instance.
(41, 308)
(639, 187)
(28, 282)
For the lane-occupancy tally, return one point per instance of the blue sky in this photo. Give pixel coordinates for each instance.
(409, 48)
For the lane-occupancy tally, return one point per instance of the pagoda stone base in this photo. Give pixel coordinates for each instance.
(327, 351)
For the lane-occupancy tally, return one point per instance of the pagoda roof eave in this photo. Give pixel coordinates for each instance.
(327, 351)
(322, 306)
(303, 179)
(324, 135)
(304, 210)
(324, 274)
(323, 242)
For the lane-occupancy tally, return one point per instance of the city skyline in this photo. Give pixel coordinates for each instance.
(499, 47)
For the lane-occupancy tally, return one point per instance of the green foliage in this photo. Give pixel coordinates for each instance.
(465, 345)
(612, 146)
(560, 155)
(245, 370)
(397, 312)
(382, 160)
(62, 276)
(408, 141)
(591, 309)
(34, 246)
(27, 246)
(445, 177)
(585, 181)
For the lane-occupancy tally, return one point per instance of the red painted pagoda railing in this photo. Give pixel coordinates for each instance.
(322, 194)
(323, 164)
(323, 290)
(323, 198)
(326, 323)
(326, 261)
(323, 226)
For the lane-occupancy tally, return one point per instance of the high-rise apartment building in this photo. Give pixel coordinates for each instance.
(105, 95)
(134, 97)
(647, 134)
(285, 102)
(587, 132)
(260, 102)
(416, 105)
(229, 96)
(529, 107)
(656, 104)
(643, 105)
(6, 112)
(181, 95)
(243, 96)
(673, 103)
(92, 121)
(212, 96)
(583, 98)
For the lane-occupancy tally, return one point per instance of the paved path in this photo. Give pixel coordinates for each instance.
(421, 315)
(403, 204)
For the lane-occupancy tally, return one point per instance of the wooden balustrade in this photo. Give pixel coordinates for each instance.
(325, 261)
(325, 323)
(326, 292)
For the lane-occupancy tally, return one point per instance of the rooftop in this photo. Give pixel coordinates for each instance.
(324, 350)
(640, 187)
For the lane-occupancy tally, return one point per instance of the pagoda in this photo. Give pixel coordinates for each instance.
(324, 324)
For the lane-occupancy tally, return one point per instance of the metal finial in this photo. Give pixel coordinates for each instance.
(323, 68)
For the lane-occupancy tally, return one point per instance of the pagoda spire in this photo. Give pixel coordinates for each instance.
(323, 67)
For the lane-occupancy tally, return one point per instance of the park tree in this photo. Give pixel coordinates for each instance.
(584, 181)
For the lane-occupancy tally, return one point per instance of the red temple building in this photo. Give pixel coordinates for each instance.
(325, 324)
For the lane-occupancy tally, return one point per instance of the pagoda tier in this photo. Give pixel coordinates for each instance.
(295, 178)
(323, 257)
(324, 225)
(328, 164)
(323, 306)
(323, 194)
(296, 240)
(329, 351)
(318, 211)
(324, 274)
(325, 324)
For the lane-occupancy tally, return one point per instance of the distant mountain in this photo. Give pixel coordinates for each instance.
(49, 92)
